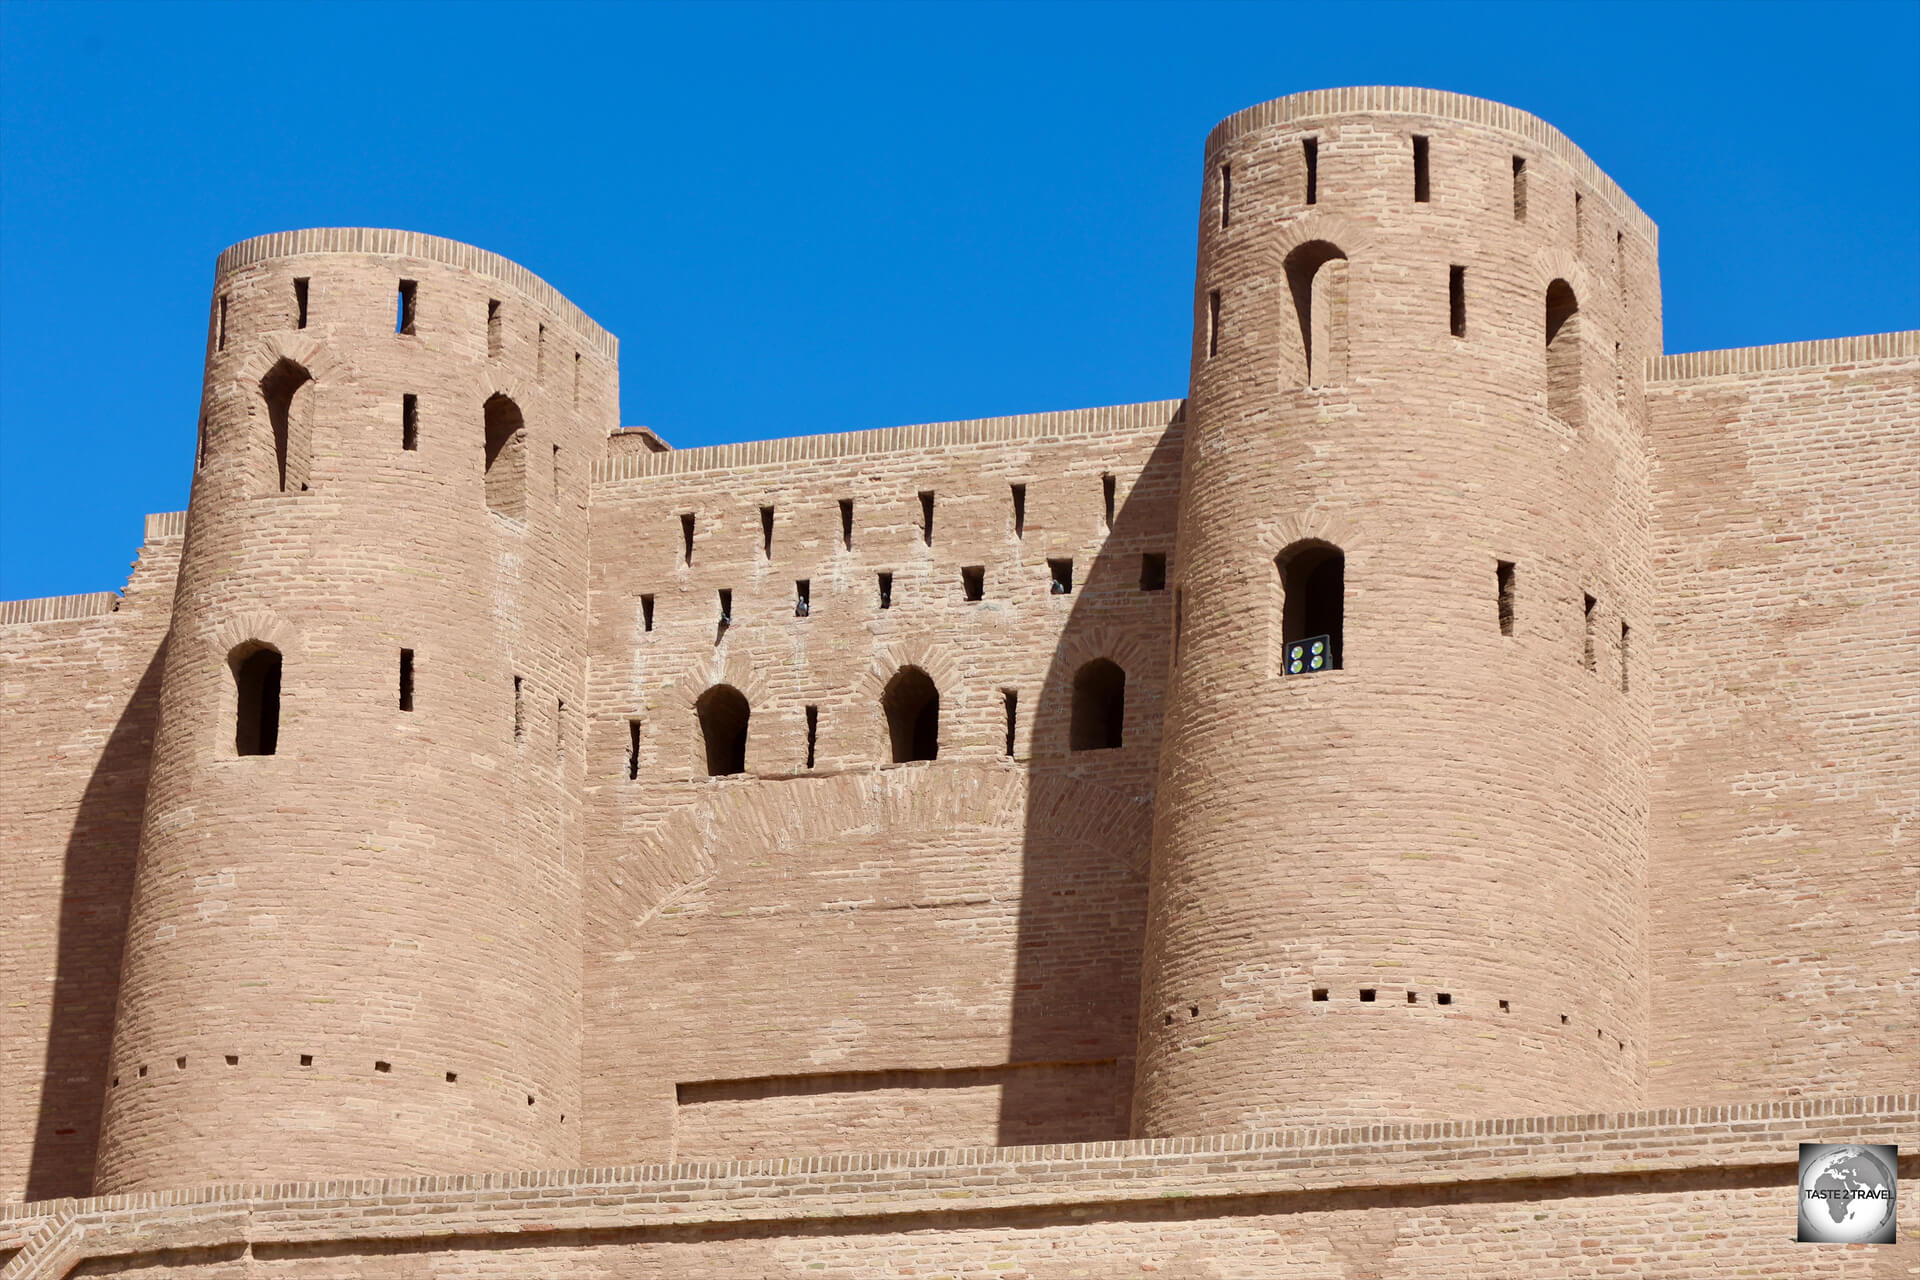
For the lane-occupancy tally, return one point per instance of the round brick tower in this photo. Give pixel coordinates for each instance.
(354, 945)
(1408, 884)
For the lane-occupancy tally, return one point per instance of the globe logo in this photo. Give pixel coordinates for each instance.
(1847, 1193)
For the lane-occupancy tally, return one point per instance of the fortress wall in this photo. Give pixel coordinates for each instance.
(1682, 1194)
(80, 678)
(860, 952)
(1786, 819)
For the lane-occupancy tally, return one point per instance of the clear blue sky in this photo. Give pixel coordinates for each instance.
(803, 219)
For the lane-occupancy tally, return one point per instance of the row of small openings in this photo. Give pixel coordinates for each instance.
(911, 705)
(380, 1067)
(1018, 493)
(1371, 995)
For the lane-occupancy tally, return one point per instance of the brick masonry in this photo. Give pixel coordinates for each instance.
(1649, 837)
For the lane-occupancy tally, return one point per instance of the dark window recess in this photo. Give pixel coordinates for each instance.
(1213, 324)
(540, 353)
(221, 344)
(288, 391)
(1226, 194)
(1620, 264)
(519, 709)
(1153, 571)
(1313, 587)
(506, 457)
(556, 475)
(633, 750)
(560, 731)
(1413, 997)
(846, 523)
(1019, 511)
(1457, 301)
(646, 613)
(686, 539)
(1107, 489)
(1503, 579)
(926, 517)
(1099, 706)
(802, 598)
(409, 295)
(1367, 995)
(1579, 222)
(306, 1059)
(1519, 189)
(886, 591)
(1421, 188)
(256, 679)
(1320, 993)
(766, 533)
(912, 705)
(723, 715)
(496, 326)
(1587, 653)
(1062, 575)
(973, 581)
(1011, 699)
(1625, 632)
(1445, 997)
(576, 379)
(1505, 1007)
(383, 1066)
(410, 422)
(406, 679)
(453, 1077)
(726, 608)
(813, 732)
(1310, 153)
(300, 302)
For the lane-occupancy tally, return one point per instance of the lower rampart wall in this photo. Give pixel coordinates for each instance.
(1688, 1192)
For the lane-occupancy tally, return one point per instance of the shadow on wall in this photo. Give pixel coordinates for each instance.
(1083, 899)
(96, 892)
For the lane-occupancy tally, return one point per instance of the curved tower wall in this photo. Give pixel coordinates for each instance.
(361, 954)
(1456, 810)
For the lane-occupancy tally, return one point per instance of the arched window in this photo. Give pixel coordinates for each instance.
(1317, 278)
(506, 464)
(912, 704)
(288, 391)
(1313, 591)
(1099, 706)
(1563, 353)
(723, 727)
(256, 682)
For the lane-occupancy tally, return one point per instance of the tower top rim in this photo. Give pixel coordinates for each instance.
(1436, 104)
(390, 242)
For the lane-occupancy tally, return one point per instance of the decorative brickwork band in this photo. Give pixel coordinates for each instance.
(1903, 344)
(58, 608)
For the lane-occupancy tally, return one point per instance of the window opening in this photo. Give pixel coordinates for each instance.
(686, 539)
(886, 591)
(1310, 152)
(1226, 194)
(1062, 572)
(300, 302)
(1625, 632)
(973, 582)
(1099, 706)
(1019, 511)
(506, 457)
(1503, 579)
(646, 613)
(1153, 571)
(1107, 488)
(846, 524)
(576, 379)
(496, 325)
(406, 679)
(1519, 189)
(1579, 222)
(1213, 323)
(1587, 648)
(560, 732)
(1421, 189)
(1563, 353)
(726, 608)
(723, 715)
(540, 353)
(403, 320)
(1317, 278)
(912, 706)
(1457, 301)
(1313, 590)
(288, 390)
(519, 710)
(813, 732)
(926, 517)
(766, 533)
(222, 344)
(1620, 264)
(1011, 700)
(410, 422)
(633, 750)
(802, 598)
(256, 679)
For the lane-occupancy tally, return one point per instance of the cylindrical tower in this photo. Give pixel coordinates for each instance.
(1409, 884)
(355, 943)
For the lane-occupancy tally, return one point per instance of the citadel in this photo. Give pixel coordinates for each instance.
(483, 840)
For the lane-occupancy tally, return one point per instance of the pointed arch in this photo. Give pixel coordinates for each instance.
(288, 390)
(1317, 280)
(505, 461)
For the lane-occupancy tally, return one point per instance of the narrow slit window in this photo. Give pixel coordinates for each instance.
(1587, 653)
(846, 524)
(540, 354)
(813, 732)
(256, 679)
(519, 709)
(686, 538)
(1619, 376)
(496, 326)
(1620, 264)
(1226, 194)
(221, 344)
(633, 751)
(766, 533)
(926, 517)
(410, 422)
(1457, 301)
(1310, 153)
(1213, 323)
(1421, 189)
(1010, 698)
(1579, 222)
(726, 608)
(646, 613)
(973, 582)
(1019, 511)
(1099, 707)
(1153, 571)
(576, 379)
(1519, 188)
(560, 731)
(1503, 580)
(406, 679)
(300, 302)
(886, 591)
(1061, 572)
(409, 297)
(1107, 489)
(556, 476)
(1625, 633)
(802, 598)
